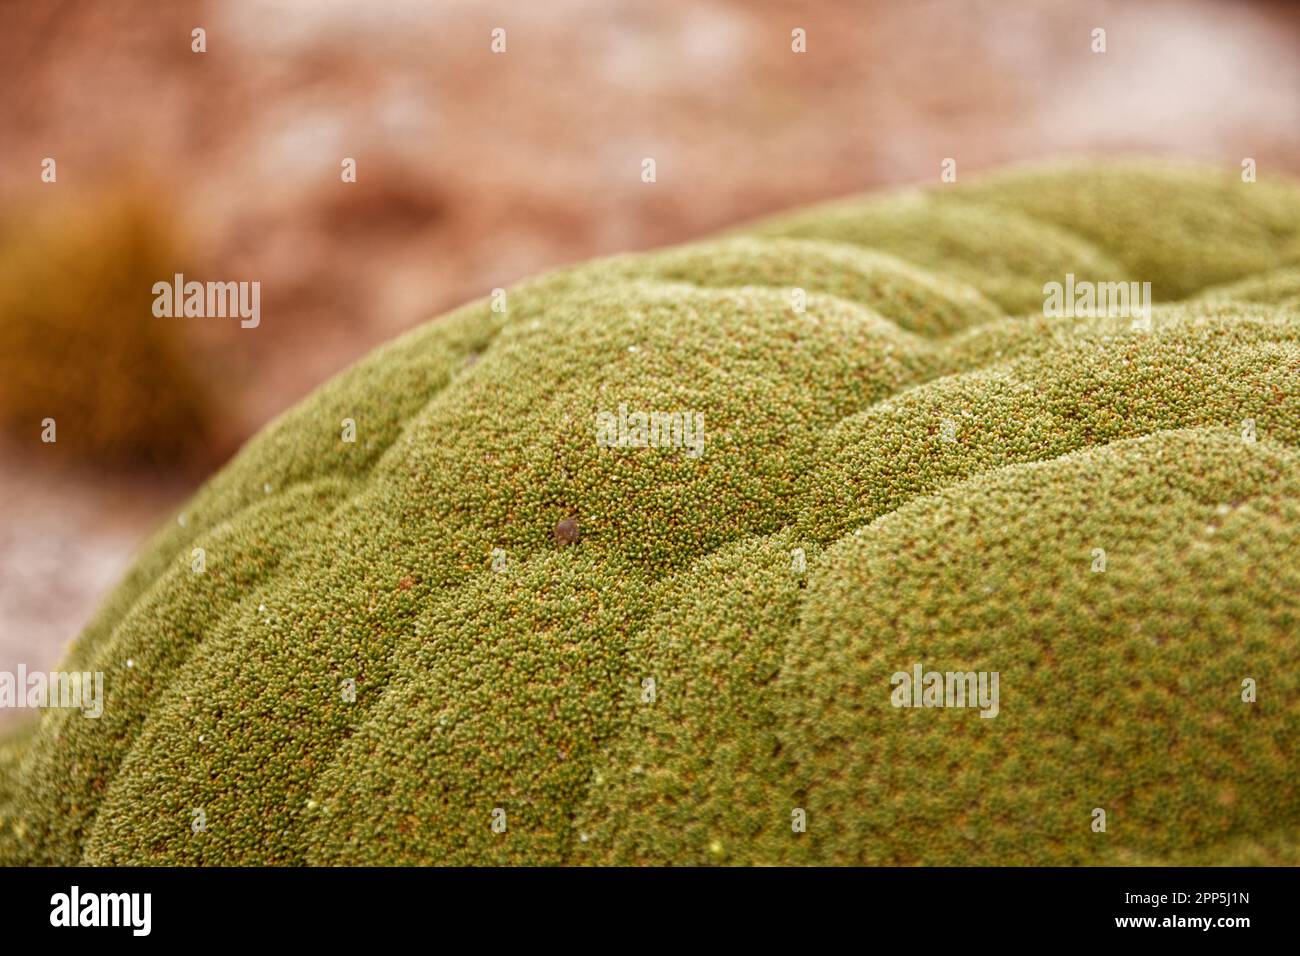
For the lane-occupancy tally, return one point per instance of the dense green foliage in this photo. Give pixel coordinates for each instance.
(916, 467)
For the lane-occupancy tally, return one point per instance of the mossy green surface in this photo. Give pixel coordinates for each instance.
(911, 466)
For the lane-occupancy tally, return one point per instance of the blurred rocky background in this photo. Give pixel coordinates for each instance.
(475, 169)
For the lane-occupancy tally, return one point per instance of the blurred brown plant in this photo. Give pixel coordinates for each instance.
(79, 343)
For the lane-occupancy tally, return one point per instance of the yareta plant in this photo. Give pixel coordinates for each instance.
(514, 621)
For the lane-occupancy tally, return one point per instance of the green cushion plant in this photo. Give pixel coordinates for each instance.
(476, 635)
